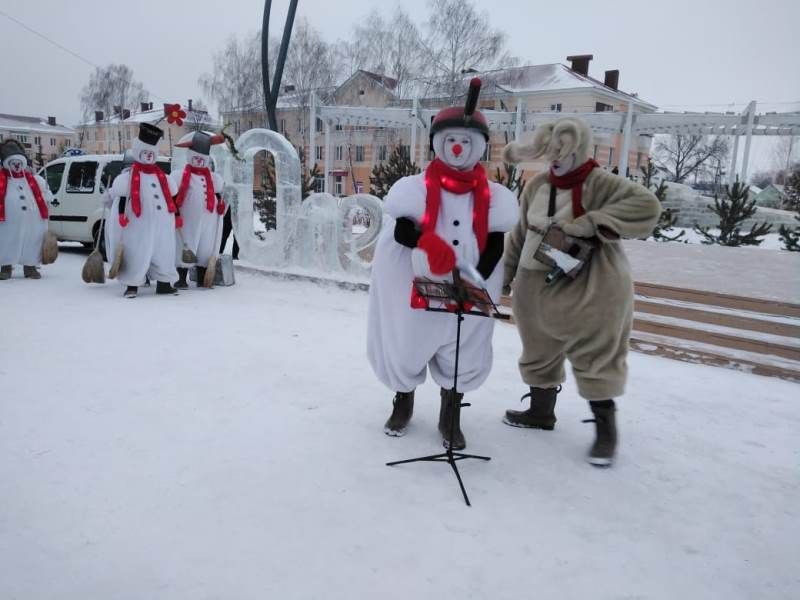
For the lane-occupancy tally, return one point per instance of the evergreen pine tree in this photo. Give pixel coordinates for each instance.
(385, 174)
(733, 211)
(510, 178)
(790, 236)
(663, 229)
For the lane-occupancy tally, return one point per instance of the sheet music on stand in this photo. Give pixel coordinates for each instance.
(442, 293)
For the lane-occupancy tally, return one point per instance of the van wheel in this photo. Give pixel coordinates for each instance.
(98, 230)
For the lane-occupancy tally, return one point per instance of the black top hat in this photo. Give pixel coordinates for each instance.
(10, 148)
(150, 134)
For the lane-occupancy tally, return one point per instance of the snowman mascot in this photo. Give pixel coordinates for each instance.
(200, 202)
(23, 213)
(449, 216)
(142, 199)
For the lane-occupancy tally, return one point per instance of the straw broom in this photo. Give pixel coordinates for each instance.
(49, 248)
(93, 269)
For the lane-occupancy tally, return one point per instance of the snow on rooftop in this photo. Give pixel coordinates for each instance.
(32, 124)
(152, 116)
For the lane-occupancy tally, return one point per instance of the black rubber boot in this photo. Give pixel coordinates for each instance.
(164, 288)
(131, 291)
(604, 448)
(31, 272)
(448, 405)
(6, 271)
(201, 275)
(182, 284)
(401, 414)
(541, 414)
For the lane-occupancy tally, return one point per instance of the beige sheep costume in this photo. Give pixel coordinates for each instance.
(586, 320)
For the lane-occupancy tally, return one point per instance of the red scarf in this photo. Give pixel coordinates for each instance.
(32, 183)
(136, 181)
(574, 181)
(437, 176)
(205, 172)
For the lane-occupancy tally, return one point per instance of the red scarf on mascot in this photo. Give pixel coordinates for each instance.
(437, 176)
(136, 180)
(32, 183)
(205, 172)
(574, 181)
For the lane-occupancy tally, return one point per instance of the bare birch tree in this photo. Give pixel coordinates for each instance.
(685, 155)
(458, 39)
(111, 86)
(235, 78)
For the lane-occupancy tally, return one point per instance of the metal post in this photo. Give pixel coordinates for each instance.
(751, 115)
(327, 125)
(626, 141)
(518, 124)
(413, 147)
(733, 170)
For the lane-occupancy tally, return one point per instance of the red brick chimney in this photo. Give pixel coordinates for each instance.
(612, 79)
(580, 63)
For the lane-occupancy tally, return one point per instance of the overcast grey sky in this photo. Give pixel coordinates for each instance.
(679, 55)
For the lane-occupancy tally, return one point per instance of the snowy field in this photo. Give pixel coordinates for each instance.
(771, 241)
(228, 444)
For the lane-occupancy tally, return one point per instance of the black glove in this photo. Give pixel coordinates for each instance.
(406, 232)
(491, 254)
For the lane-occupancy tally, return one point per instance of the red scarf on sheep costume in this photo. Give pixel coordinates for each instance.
(32, 183)
(439, 176)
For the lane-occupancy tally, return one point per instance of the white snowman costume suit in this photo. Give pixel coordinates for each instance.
(148, 239)
(199, 198)
(402, 342)
(23, 217)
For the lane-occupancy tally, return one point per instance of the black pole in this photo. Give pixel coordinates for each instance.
(271, 92)
(265, 59)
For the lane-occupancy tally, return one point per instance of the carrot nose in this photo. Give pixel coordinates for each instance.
(457, 149)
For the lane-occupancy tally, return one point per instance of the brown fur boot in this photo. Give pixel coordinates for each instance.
(6, 271)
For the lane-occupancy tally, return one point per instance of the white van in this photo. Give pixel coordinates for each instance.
(78, 185)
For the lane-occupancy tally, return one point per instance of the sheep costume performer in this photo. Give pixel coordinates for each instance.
(200, 202)
(23, 213)
(587, 319)
(142, 199)
(449, 215)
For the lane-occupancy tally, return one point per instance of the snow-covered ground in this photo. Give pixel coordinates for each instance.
(228, 444)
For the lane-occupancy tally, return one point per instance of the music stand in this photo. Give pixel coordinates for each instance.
(458, 298)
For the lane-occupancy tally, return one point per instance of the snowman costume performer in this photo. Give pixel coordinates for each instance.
(23, 213)
(142, 200)
(587, 319)
(450, 215)
(199, 200)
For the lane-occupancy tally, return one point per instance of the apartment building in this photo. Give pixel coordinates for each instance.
(356, 149)
(112, 134)
(43, 138)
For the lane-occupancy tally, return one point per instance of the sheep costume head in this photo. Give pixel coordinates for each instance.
(459, 134)
(564, 144)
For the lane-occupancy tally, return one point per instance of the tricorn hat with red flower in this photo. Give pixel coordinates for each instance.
(463, 116)
(200, 141)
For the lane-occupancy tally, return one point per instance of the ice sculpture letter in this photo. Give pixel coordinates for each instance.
(315, 233)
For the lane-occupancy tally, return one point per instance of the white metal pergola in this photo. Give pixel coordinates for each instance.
(629, 124)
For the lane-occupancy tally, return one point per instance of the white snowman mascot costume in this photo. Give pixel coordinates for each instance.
(200, 201)
(23, 213)
(142, 197)
(448, 216)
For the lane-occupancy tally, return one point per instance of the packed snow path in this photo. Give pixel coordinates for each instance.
(229, 444)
